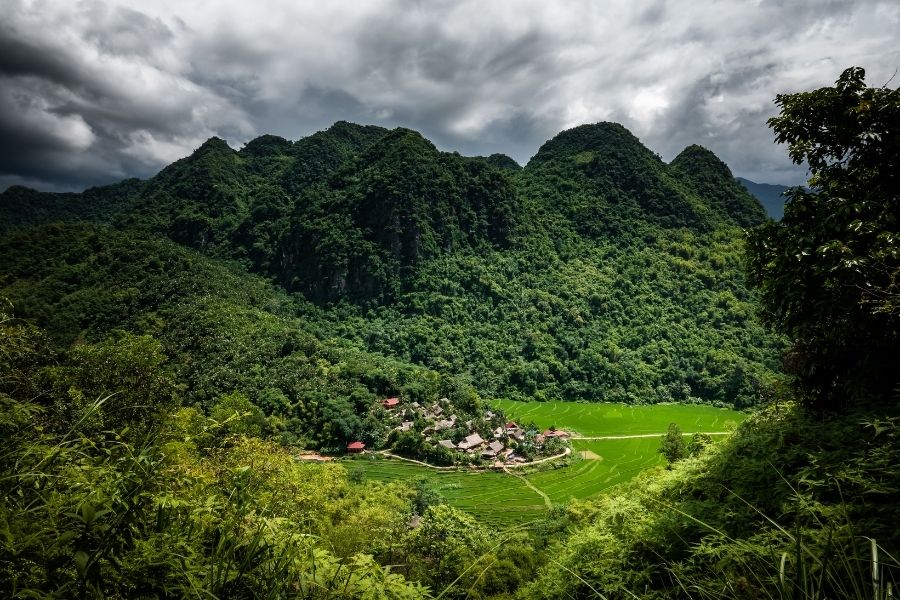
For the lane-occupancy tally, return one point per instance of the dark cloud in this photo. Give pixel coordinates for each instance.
(94, 91)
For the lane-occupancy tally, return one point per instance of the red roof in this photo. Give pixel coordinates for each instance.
(355, 446)
(390, 402)
(512, 425)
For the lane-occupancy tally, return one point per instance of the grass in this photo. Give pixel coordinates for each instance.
(606, 419)
(619, 461)
(491, 497)
(502, 499)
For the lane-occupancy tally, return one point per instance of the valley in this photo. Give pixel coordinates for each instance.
(502, 498)
(335, 368)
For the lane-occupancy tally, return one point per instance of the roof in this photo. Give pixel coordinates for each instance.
(556, 433)
(355, 446)
(447, 444)
(471, 441)
(496, 446)
(511, 425)
(390, 402)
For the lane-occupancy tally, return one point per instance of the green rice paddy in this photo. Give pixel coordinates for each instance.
(591, 420)
(504, 499)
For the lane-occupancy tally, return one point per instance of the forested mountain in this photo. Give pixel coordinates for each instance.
(163, 336)
(596, 272)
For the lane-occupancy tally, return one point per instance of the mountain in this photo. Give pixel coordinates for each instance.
(595, 272)
(770, 195)
(711, 179)
(24, 207)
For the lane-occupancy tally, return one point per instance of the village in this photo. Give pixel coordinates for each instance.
(436, 433)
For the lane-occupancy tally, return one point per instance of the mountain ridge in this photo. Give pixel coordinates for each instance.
(595, 272)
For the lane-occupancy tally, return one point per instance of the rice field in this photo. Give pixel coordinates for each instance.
(615, 462)
(504, 499)
(492, 497)
(605, 419)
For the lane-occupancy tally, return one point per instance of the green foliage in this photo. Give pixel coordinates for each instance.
(124, 372)
(22, 207)
(828, 271)
(398, 204)
(166, 514)
(672, 445)
(717, 525)
(444, 548)
(215, 330)
(597, 272)
(711, 179)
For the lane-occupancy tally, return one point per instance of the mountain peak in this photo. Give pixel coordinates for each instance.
(266, 145)
(696, 157)
(503, 162)
(586, 140)
(711, 179)
(213, 144)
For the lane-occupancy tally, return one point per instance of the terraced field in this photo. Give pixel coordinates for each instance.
(617, 461)
(505, 499)
(592, 420)
(490, 496)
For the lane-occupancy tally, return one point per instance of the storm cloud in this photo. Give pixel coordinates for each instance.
(92, 92)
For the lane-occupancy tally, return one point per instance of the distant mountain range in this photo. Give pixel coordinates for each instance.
(770, 195)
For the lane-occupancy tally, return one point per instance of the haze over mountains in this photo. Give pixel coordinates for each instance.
(770, 195)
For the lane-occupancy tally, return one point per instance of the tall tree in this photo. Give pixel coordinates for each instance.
(673, 446)
(828, 272)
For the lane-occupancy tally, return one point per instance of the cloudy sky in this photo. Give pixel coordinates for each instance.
(94, 91)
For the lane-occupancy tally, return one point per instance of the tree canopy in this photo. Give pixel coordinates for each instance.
(828, 272)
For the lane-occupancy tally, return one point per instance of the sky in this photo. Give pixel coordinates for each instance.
(95, 91)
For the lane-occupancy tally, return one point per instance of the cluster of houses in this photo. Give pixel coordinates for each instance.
(501, 445)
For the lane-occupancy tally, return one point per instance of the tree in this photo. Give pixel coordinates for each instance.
(672, 446)
(829, 272)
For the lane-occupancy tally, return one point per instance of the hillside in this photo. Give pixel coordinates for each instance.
(596, 272)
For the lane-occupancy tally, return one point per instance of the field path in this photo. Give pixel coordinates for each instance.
(533, 487)
(640, 435)
(565, 452)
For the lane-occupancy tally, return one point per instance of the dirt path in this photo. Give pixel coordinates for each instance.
(534, 488)
(565, 452)
(387, 453)
(416, 462)
(640, 435)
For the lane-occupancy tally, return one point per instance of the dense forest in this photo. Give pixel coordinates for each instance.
(166, 345)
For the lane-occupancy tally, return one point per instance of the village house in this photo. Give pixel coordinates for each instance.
(447, 444)
(492, 449)
(355, 447)
(471, 443)
(390, 403)
(557, 433)
(445, 424)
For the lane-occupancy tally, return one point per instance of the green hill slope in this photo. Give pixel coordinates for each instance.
(596, 272)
